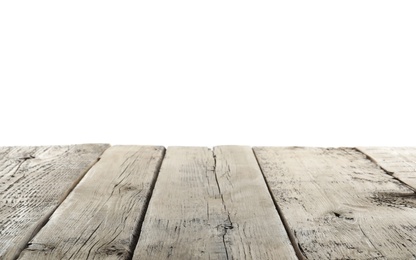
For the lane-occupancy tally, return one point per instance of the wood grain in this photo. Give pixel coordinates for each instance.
(212, 205)
(400, 162)
(340, 205)
(34, 181)
(101, 217)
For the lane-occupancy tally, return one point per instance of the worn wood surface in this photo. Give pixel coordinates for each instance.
(340, 205)
(318, 203)
(101, 218)
(400, 162)
(34, 181)
(212, 205)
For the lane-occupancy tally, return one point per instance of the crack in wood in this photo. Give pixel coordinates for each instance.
(229, 224)
(39, 247)
(28, 157)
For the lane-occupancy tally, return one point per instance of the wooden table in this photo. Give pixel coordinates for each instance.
(93, 201)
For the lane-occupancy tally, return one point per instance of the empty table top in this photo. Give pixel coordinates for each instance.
(96, 201)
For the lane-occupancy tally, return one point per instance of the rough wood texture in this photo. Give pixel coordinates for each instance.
(212, 205)
(339, 204)
(400, 162)
(34, 181)
(101, 217)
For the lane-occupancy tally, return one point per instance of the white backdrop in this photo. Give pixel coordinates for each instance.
(314, 73)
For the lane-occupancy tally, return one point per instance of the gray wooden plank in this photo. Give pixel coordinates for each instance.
(212, 205)
(34, 181)
(101, 217)
(400, 162)
(340, 205)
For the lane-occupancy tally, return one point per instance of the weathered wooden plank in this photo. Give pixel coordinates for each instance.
(185, 218)
(258, 232)
(101, 217)
(34, 181)
(340, 205)
(212, 205)
(397, 161)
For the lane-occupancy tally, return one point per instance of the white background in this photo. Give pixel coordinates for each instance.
(310, 73)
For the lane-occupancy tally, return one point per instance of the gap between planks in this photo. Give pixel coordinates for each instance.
(300, 255)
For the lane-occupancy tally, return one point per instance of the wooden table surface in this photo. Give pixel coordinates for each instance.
(95, 201)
